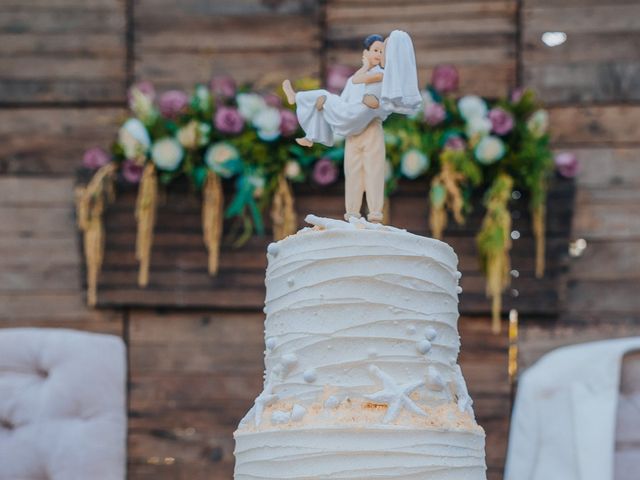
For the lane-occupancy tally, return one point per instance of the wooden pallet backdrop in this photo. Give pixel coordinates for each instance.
(65, 66)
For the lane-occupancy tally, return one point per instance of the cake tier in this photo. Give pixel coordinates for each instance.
(341, 300)
(380, 452)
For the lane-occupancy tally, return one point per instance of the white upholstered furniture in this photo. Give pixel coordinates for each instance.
(62, 405)
(568, 412)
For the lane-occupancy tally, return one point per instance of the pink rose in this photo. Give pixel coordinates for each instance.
(455, 143)
(288, 122)
(445, 78)
(132, 172)
(434, 113)
(501, 121)
(228, 120)
(272, 100)
(95, 158)
(325, 172)
(337, 76)
(567, 164)
(516, 94)
(172, 103)
(223, 86)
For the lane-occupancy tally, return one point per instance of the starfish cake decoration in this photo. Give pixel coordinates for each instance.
(394, 395)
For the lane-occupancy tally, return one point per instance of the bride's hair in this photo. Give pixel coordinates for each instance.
(371, 39)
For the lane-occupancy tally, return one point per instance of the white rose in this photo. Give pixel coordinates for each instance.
(167, 154)
(204, 134)
(478, 126)
(414, 163)
(223, 159)
(292, 169)
(472, 106)
(267, 121)
(258, 183)
(489, 150)
(538, 123)
(134, 138)
(250, 104)
(203, 97)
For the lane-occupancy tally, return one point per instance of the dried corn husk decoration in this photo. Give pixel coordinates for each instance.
(146, 218)
(90, 203)
(445, 195)
(494, 244)
(283, 214)
(539, 214)
(212, 218)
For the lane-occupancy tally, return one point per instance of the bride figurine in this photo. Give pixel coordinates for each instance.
(386, 83)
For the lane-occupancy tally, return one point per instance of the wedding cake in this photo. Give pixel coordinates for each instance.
(361, 376)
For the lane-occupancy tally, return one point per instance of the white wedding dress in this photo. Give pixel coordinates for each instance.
(342, 115)
(345, 115)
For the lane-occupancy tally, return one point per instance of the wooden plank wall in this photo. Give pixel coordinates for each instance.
(591, 82)
(588, 84)
(65, 66)
(479, 37)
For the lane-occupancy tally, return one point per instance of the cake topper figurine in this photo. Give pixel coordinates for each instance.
(386, 83)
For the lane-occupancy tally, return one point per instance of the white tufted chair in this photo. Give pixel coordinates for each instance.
(62, 405)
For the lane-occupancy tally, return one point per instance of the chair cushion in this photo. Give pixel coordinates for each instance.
(62, 405)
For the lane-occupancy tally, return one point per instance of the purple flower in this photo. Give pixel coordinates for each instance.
(445, 78)
(288, 122)
(337, 76)
(455, 143)
(272, 100)
(223, 86)
(131, 171)
(325, 172)
(516, 94)
(501, 121)
(95, 158)
(173, 103)
(228, 120)
(434, 113)
(567, 164)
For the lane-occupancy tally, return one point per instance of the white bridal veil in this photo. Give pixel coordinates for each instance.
(400, 92)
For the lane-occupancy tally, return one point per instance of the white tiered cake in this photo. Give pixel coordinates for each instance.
(361, 378)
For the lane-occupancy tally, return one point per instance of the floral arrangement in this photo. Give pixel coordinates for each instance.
(219, 132)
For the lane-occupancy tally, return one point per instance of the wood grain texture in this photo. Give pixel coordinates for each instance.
(179, 44)
(40, 279)
(50, 142)
(62, 52)
(178, 276)
(478, 37)
(598, 61)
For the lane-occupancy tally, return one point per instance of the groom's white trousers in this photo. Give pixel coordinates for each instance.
(364, 168)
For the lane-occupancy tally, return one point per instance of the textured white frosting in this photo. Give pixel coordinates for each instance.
(361, 319)
(380, 452)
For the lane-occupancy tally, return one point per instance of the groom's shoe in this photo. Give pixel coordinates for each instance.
(375, 217)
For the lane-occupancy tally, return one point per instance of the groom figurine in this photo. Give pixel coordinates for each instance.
(364, 153)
